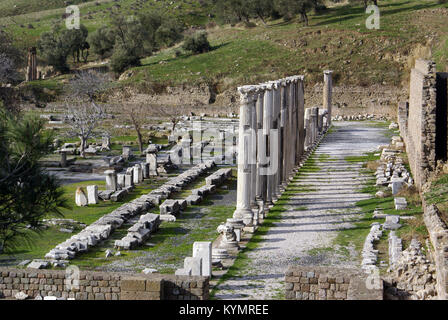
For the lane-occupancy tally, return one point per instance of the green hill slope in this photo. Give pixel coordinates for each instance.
(336, 38)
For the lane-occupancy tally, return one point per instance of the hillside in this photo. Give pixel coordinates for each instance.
(336, 38)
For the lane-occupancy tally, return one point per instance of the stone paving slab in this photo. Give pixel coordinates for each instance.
(312, 219)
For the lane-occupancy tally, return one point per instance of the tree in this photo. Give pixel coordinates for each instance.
(11, 59)
(83, 114)
(261, 9)
(27, 192)
(102, 42)
(197, 43)
(124, 58)
(137, 116)
(56, 45)
(77, 41)
(292, 7)
(8, 70)
(54, 49)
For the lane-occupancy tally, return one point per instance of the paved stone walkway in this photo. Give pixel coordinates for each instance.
(305, 233)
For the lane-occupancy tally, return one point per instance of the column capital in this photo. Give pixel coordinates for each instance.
(276, 84)
(248, 94)
(328, 72)
(267, 85)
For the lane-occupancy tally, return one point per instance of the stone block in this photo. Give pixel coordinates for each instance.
(203, 250)
(133, 284)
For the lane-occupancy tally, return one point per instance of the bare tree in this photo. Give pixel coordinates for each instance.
(83, 118)
(137, 115)
(174, 114)
(87, 84)
(83, 113)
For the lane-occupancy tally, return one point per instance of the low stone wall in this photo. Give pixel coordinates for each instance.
(329, 283)
(438, 233)
(102, 285)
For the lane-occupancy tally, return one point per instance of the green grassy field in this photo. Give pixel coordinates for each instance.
(36, 245)
(336, 39)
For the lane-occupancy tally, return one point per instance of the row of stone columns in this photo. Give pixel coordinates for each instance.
(275, 131)
(270, 146)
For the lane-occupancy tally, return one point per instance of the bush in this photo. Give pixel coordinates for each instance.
(198, 43)
(102, 42)
(123, 59)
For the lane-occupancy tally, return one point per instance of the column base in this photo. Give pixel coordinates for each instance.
(250, 229)
(240, 213)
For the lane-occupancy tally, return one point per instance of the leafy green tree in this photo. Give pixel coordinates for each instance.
(141, 35)
(54, 49)
(289, 8)
(197, 43)
(102, 42)
(56, 45)
(76, 39)
(11, 59)
(27, 192)
(123, 58)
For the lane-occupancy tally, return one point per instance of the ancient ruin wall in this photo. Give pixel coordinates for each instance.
(438, 233)
(102, 285)
(419, 129)
(329, 283)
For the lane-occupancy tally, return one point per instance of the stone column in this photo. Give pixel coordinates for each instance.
(300, 118)
(111, 180)
(285, 137)
(92, 194)
(267, 126)
(294, 127)
(276, 106)
(328, 92)
(138, 177)
(308, 132)
(31, 70)
(243, 209)
(127, 152)
(314, 126)
(186, 149)
(63, 159)
(151, 159)
(261, 155)
(121, 180)
(254, 172)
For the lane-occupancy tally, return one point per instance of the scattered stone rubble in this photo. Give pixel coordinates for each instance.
(366, 116)
(412, 276)
(200, 264)
(392, 172)
(369, 253)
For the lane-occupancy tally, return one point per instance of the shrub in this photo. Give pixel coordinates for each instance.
(198, 43)
(123, 59)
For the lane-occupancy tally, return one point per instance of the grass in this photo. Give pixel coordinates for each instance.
(438, 195)
(249, 55)
(38, 244)
(171, 243)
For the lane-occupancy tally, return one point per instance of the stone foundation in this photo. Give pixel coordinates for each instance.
(102, 285)
(329, 283)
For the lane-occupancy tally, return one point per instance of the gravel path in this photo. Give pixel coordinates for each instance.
(305, 233)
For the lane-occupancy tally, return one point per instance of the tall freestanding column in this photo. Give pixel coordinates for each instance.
(245, 145)
(267, 126)
(261, 151)
(277, 100)
(254, 173)
(300, 118)
(328, 92)
(294, 127)
(285, 132)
